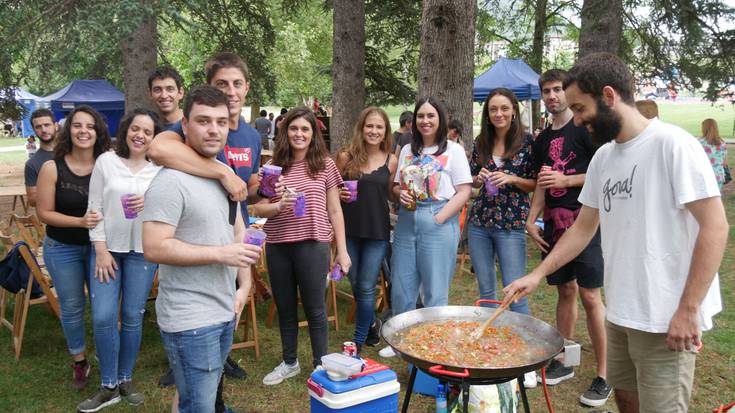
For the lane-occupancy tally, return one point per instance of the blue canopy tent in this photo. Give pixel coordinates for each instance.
(30, 102)
(513, 74)
(99, 94)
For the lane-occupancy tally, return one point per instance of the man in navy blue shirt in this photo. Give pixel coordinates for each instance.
(240, 156)
(166, 89)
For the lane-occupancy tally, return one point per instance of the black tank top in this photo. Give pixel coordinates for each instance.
(71, 196)
(368, 216)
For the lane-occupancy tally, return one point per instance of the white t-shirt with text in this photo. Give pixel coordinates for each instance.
(434, 177)
(640, 188)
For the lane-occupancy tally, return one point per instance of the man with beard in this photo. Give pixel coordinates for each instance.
(561, 155)
(43, 124)
(652, 192)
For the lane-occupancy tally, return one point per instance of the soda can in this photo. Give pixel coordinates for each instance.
(349, 348)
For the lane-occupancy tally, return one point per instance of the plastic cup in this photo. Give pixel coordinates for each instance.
(299, 208)
(352, 187)
(254, 237)
(490, 188)
(270, 178)
(545, 168)
(129, 212)
(336, 274)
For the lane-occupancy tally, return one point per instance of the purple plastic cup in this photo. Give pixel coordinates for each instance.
(299, 208)
(336, 274)
(270, 178)
(129, 212)
(254, 237)
(352, 187)
(490, 188)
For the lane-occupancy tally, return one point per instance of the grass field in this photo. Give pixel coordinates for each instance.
(11, 142)
(40, 381)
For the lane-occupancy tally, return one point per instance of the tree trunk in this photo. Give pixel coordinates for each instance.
(537, 55)
(348, 69)
(139, 59)
(446, 64)
(602, 27)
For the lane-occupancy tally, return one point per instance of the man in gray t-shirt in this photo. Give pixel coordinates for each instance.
(193, 230)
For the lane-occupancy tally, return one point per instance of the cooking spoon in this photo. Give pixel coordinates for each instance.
(478, 332)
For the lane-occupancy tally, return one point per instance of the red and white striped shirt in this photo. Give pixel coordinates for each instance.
(314, 225)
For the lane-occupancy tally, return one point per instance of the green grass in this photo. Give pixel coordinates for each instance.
(40, 381)
(12, 142)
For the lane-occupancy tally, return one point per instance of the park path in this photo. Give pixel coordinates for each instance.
(13, 148)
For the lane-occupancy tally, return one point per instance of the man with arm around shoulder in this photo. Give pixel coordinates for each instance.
(195, 233)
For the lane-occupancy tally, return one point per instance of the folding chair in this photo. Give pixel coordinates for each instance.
(23, 298)
(331, 298)
(381, 298)
(249, 320)
(30, 230)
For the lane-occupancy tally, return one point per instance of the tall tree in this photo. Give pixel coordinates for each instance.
(602, 27)
(139, 59)
(537, 53)
(446, 65)
(348, 69)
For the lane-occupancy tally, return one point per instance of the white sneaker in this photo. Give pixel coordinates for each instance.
(387, 352)
(529, 380)
(281, 372)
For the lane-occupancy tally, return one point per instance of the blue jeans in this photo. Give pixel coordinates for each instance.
(196, 358)
(425, 255)
(367, 257)
(68, 265)
(510, 248)
(118, 350)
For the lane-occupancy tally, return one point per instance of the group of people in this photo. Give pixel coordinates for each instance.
(178, 203)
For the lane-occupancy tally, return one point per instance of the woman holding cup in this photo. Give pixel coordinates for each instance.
(122, 278)
(368, 167)
(63, 188)
(301, 224)
(501, 168)
(433, 185)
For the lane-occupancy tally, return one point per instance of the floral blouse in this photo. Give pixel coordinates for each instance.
(508, 209)
(717, 155)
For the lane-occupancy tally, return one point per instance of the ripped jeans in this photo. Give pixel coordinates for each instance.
(117, 349)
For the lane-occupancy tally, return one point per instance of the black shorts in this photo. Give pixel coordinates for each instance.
(586, 268)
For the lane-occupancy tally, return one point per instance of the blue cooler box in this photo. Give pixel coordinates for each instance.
(424, 384)
(373, 393)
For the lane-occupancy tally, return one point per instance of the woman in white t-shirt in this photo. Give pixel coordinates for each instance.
(433, 185)
(122, 278)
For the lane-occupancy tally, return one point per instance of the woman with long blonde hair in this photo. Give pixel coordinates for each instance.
(715, 148)
(369, 161)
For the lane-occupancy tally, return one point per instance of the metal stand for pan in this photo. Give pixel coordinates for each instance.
(464, 382)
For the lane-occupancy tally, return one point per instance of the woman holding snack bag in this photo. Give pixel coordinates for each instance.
(368, 167)
(301, 224)
(433, 185)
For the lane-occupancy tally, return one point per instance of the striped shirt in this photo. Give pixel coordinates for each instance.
(314, 225)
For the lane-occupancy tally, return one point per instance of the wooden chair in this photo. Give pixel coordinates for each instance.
(249, 320)
(23, 298)
(332, 315)
(381, 299)
(30, 230)
(331, 298)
